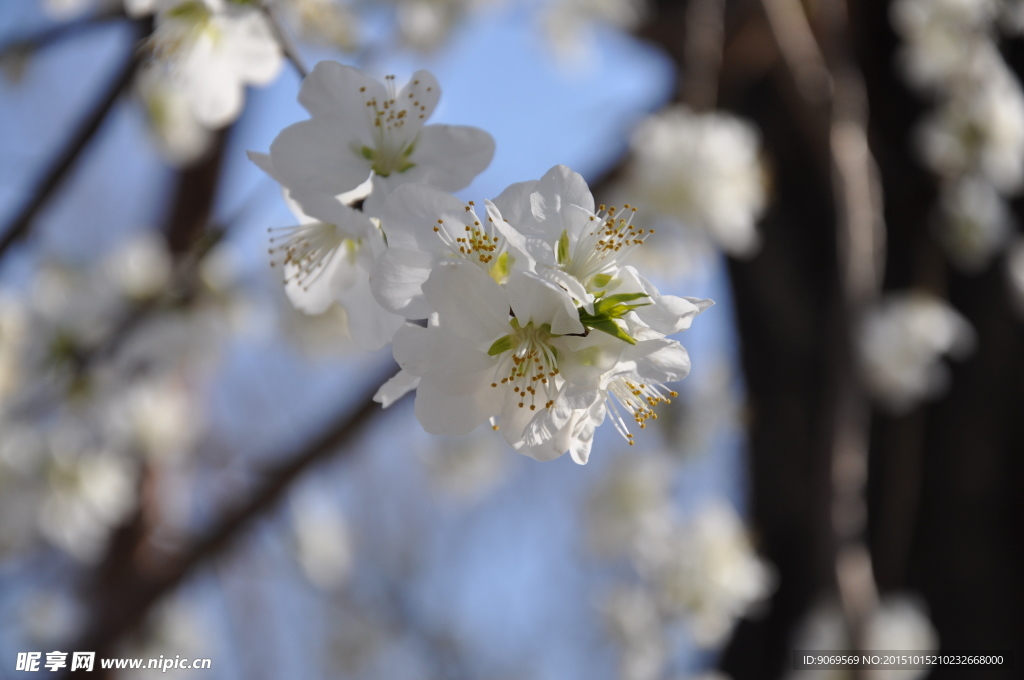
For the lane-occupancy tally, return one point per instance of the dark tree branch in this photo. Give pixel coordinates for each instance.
(135, 587)
(288, 47)
(195, 197)
(59, 32)
(62, 165)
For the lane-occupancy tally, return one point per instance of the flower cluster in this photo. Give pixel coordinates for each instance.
(522, 312)
(974, 139)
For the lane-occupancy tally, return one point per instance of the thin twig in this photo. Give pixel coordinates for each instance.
(58, 32)
(60, 167)
(288, 47)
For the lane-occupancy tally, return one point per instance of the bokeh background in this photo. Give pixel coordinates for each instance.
(189, 466)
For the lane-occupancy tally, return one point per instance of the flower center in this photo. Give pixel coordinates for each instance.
(394, 134)
(305, 250)
(600, 250)
(477, 242)
(528, 364)
(639, 400)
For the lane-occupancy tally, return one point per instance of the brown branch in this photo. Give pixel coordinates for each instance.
(139, 585)
(860, 244)
(59, 32)
(194, 198)
(702, 49)
(52, 179)
(287, 45)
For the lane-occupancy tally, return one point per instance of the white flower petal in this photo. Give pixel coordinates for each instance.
(397, 281)
(311, 156)
(331, 92)
(395, 388)
(536, 300)
(441, 412)
(469, 302)
(412, 211)
(453, 154)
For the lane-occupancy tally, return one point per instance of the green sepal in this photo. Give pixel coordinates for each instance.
(607, 310)
(606, 325)
(502, 344)
(623, 297)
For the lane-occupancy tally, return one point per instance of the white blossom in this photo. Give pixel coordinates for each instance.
(361, 126)
(425, 25)
(901, 345)
(213, 49)
(973, 223)
(899, 622)
(632, 615)
(323, 542)
(707, 569)
(331, 23)
(568, 23)
(702, 170)
(178, 134)
(945, 39)
(631, 506)
(980, 131)
(87, 496)
(326, 260)
(140, 267)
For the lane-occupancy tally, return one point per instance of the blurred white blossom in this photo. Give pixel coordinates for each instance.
(331, 23)
(323, 542)
(699, 570)
(902, 343)
(980, 132)
(632, 616)
(899, 622)
(632, 503)
(707, 570)
(702, 170)
(178, 626)
(179, 136)
(425, 25)
(466, 467)
(943, 38)
(973, 222)
(568, 24)
(88, 494)
(974, 138)
(212, 50)
(50, 616)
(140, 266)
